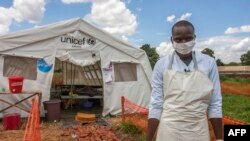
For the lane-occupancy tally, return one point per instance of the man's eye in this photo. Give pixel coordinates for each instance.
(177, 40)
(189, 39)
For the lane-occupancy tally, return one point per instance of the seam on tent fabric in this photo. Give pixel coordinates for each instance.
(28, 44)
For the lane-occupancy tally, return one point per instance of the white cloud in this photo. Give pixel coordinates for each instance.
(5, 20)
(245, 28)
(124, 38)
(30, 10)
(217, 41)
(185, 16)
(244, 44)
(112, 16)
(21, 10)
(226, 48)
(171, 18)
(37, 26)
(133, 41)
(164, 48)
(232, 30)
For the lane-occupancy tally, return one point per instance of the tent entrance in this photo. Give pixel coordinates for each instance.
(77, 85)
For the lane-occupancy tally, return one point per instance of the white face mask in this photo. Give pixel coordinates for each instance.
(184, 48)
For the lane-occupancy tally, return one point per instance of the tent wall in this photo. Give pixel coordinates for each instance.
(43, 49)
(136, 91)
(60, 40)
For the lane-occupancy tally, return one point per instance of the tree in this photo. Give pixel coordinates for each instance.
(233, 64)
(245, 58)
(208, 51)
(219, 62)
(152, 55)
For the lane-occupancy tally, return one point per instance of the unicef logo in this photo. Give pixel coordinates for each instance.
(91, 41)
(78, 42)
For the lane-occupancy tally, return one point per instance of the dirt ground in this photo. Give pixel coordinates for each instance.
(62, 130)
(49, 132)
(236, 88)
(67, 128)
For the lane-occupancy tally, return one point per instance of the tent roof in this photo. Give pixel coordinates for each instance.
(26, 37)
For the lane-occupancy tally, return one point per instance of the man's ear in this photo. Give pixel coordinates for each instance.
(194, 36)
(171, 38)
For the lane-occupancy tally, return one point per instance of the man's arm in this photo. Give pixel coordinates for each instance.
(215, 106)
(152, 127)
(156, 100)
(217, 126)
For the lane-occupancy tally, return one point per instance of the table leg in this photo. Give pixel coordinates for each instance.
(13, 105)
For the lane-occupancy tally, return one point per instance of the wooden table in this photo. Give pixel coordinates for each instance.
(33, 94)
(82, 91)
(71, 100)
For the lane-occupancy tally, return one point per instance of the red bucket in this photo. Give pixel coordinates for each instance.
(16, 84)
(11, 121)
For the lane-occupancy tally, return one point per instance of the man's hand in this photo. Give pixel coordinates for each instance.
(217, 126)
(152, 126)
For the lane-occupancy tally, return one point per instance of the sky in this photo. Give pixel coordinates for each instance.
(221, 25)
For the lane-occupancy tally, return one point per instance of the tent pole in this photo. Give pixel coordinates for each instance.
(99, 67)
(82, 72)
(93, 66)
(88, 78)
(71, 76)
(91, 75)
(66, 73)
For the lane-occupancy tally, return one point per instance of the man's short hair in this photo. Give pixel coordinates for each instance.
(182, 23)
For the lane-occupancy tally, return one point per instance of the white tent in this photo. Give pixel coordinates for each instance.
(77, 42)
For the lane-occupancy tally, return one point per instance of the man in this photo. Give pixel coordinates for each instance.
(185, 91)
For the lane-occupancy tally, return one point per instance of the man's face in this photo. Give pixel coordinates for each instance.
(182, 34)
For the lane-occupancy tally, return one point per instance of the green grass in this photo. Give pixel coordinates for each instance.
(128, 128)
(224, 78)
(237, 107)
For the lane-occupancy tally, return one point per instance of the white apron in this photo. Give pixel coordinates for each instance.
(186, 99)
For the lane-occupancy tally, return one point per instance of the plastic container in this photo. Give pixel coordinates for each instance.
(11, 121)
(52, 110)
(87, 104)
(15, 84)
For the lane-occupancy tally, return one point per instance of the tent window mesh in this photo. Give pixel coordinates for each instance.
(22, 66)
(125, 72)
